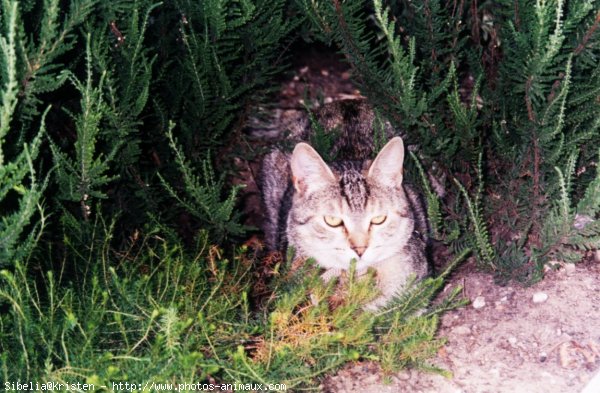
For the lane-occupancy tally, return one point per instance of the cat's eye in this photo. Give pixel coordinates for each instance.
(378, 219)
(333, 221)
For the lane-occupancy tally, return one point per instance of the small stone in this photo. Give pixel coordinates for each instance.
(479, 302)
(569, 268)
(540, 297)
(543, 356)
(446, 322)
(370, 379)
(303, 70)
(461, 330)
(324, 72)
(404, 375)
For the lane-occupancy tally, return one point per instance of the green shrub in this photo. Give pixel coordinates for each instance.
(155, 312)
(140, 101)
(515, 127)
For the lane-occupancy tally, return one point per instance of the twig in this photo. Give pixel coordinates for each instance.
(587, 35)
(530, 112)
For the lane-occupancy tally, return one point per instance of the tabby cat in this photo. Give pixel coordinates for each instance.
(352, 208)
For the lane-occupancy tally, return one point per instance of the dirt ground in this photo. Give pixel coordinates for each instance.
(544, 338)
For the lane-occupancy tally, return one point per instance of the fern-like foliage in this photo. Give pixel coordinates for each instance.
(202, 195)
(549, 120)
(20, 189)
(540, 65)
(480, 234)
(393, 69)
(569, 229)
(226, 53)
(127, 64)
(8, 44)
(434, 214)
(394, 82)
(528, 99)
(19, 177)
(82, 174)
(40, 55)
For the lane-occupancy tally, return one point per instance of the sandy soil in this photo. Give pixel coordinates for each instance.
(511, 343)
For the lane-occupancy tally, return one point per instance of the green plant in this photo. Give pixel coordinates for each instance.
(139, 97)
(203, 196)
(82, 176)
(226, 54)
(155, 312)
(522, 74)
(20, 190)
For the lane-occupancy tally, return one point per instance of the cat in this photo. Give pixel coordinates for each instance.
(352, 208)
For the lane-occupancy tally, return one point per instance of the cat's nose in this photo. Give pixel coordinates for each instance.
(360, 250)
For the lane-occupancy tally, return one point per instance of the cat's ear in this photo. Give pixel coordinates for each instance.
(309, 171)
(388, 165)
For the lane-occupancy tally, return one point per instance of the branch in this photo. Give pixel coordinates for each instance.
(530, 113)
(588, 35)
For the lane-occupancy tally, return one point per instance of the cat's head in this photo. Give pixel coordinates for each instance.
(346, 211)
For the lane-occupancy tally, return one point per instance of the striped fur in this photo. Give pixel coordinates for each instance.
(301, 193)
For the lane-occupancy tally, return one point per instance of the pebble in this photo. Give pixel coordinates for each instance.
(540, 297)
(461, 330)
(404, 375)
(370, 379)
(479, 302)
(569, 268)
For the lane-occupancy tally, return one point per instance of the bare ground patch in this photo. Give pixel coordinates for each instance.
(511, 344)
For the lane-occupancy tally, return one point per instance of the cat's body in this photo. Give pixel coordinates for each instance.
(353, 208)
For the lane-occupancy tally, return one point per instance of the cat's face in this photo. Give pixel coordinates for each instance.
(347, 212)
